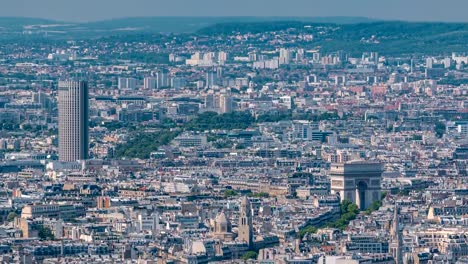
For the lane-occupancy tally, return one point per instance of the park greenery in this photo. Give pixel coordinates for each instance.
(11, 216)
(348, 212)
(306, 230)
(230, 193)
(373, 207)
(249, 255)
(142, 143)
(439, 129)
(259, 195)
(46, 234)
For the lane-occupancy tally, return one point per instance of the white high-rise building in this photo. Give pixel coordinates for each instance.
(429, 63)
(127, 83)
(447, 63)
(197, 56)
(300, 55)
(316, 57)
(150, 83)
(211, 79)
(73, 120)
(285, 56)
(222, 57)
(312, 78)
(162, 79)
(178, 82)
(210, 101)
(219, 73)
(225, 103)
(340, 79)
(252, 56)
(209, 56)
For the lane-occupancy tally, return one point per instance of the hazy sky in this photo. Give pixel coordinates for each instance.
(90, 10)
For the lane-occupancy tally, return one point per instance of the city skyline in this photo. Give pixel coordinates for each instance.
(317, 137)
(69, 11)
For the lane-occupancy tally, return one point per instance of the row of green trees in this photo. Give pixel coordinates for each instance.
(348, 212)
(373, 207)
(230, 193)
(289, 115)
(306, 230)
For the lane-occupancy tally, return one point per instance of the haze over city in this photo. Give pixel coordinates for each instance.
(91, 10)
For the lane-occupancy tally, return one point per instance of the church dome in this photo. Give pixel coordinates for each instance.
(221, 218)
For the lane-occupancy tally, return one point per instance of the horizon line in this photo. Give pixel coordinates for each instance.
(371, 19)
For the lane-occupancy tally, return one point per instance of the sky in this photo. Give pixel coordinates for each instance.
(93, 10)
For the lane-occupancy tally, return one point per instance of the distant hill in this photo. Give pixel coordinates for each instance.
(386, 37)
(19, 27)
(350, 34)
(149, 24)
(21, 21)
(192, 24)
(16, 25)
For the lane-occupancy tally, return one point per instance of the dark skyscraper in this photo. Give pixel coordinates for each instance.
(73, 120)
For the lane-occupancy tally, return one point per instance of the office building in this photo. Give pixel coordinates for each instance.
(302, 130)
(73, 120)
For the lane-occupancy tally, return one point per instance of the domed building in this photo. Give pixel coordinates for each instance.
(222, 228)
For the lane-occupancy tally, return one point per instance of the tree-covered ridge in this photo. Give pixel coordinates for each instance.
(387, 37)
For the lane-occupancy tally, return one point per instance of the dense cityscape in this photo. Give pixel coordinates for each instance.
(256, 142)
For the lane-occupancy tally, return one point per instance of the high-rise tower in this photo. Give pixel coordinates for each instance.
(225, 103)
(211, 79)
(73, 120)
(245, 222)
